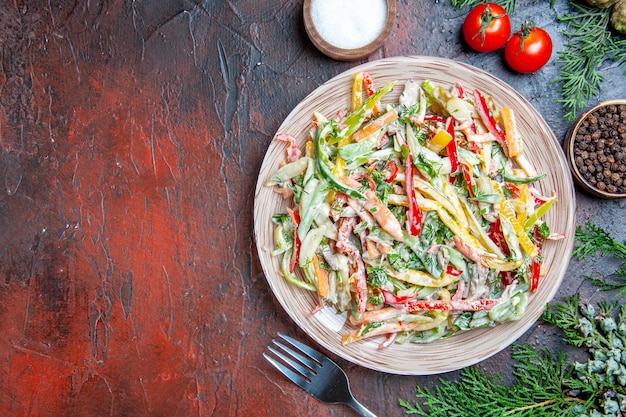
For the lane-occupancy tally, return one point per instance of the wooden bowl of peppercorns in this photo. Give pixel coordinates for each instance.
(596, 150)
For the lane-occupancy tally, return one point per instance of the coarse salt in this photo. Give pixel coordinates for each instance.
(349, 24)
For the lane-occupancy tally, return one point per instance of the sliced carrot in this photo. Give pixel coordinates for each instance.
(375, 125)
(323, 285)
(510, 130)
(372, 249)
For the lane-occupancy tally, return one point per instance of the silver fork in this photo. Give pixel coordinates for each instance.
(314, 373)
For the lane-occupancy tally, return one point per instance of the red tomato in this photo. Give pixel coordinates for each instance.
(528, 50)
(487, 27)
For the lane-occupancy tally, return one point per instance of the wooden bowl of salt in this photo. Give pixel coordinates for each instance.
(347, 30)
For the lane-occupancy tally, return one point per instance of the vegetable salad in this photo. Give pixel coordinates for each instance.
(419, 219)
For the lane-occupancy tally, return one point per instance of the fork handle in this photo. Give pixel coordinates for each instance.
(357, 406)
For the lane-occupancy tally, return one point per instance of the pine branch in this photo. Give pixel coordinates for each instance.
(578, 321)
(537, 391)
(595, 239)
(613, 282)
(590, 44)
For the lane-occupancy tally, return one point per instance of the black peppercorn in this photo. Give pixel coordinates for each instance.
(616, 178)
(599, 148)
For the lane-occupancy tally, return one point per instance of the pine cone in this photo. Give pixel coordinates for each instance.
(618, 16)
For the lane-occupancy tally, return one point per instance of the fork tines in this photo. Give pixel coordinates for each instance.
(305, 363)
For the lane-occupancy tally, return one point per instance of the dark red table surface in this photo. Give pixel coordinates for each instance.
(132, 133)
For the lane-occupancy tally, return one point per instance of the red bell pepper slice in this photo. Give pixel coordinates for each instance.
(536, 265)
(455, 164)
(460, 90)
(473, 146)
(454, 156)
(414, 213)
(468, 179)
(394, 171)
(451, 148)
(497, 236)
(389, 339)
(517, 192)
(450, 270)
(370, 89)
(450, 305)
(393, 299)
(537, 198)
(537, 236)
(507, 277)
(434, 118)
(295, 255)
(410, 304)
(369, 84)
(536, 273)
(399, 302)
(480, 104)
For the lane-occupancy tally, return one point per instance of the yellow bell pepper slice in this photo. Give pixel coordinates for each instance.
(521, 204)
(525, 243)
(461, 231)
(357, 91)
(431, 192)
(439, 141)
(308, 151)
(506, 210)
(429, 321)
(421, 278)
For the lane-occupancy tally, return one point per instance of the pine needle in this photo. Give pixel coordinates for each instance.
(594, 239)
(590, 44)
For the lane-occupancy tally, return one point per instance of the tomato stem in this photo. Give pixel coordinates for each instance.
(524, 32)
(485, 20)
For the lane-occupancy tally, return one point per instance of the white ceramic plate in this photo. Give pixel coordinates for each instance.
(542, 149)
